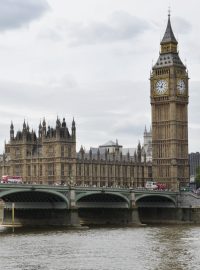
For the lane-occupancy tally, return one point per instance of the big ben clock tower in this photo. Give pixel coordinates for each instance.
(169, 102)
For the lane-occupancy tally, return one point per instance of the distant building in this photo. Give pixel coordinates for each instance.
(114, 147)
(147, 146)
(50, 158)
(194, 161)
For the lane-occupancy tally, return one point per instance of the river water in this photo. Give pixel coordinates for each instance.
(140, 248)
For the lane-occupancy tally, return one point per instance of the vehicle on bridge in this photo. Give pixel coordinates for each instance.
(14, 179)
(151, 185)
(161, 186)
(155, 186)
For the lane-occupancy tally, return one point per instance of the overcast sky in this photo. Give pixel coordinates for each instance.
(91, 59)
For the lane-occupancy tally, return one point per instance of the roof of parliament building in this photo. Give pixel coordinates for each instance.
(113, 151)
(59, 131)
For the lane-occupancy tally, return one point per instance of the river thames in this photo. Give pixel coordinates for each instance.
(150, 248)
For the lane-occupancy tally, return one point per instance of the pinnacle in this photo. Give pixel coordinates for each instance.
(169, 35)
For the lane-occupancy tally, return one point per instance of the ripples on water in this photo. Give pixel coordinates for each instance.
(143, 248)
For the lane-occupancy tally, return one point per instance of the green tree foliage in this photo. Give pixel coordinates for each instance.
(197, 178)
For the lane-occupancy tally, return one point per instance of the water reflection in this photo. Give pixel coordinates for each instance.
(172, 250)
(149, 248)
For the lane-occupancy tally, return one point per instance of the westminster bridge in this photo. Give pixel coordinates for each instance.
(74, 206)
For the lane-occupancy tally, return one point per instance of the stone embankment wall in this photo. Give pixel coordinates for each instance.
(189, 200)
(191, 203)
(1, 211)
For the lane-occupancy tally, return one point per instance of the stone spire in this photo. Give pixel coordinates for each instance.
(58, 124)
(73, 129)
(24, 125)
(11, 125)
(82, 152)
(11, 131)
(40, 130)
(139, 152)
(44, 127)
(169, 35)
(169, 52)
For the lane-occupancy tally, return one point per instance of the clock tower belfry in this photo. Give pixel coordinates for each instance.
(169, 102)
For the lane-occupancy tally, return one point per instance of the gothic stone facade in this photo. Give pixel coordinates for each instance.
(46, 158)
(51, 158)
(108, 167)
(169, 102)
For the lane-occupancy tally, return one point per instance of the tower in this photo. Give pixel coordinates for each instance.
(73, 129)
(11, 131)
(169, 102)
(147, 147)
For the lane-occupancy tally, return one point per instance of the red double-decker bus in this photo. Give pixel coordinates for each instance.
(5, 179)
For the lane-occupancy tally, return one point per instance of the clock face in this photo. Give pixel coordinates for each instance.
(181, 87)
(161, 87)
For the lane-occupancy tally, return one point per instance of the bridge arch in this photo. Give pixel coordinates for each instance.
(155, 200)
(103, 207)
(107, 197)
(33, 195)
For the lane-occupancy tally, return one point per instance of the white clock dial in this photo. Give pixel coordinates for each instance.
(181, 87)
(161, 87)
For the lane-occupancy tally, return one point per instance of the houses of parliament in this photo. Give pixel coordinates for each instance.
(50, 156)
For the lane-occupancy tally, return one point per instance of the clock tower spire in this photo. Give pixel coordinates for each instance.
(169, 102)
(169, 38)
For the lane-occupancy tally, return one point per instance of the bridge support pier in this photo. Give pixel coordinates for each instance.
(134, 219)
(1, 212)
(42, 217)
(134, 214)
(73, 218)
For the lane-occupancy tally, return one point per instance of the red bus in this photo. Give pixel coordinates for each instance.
(5, 179)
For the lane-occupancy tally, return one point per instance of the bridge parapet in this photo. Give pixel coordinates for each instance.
(189, 199)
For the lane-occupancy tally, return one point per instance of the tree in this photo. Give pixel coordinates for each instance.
(197, 178)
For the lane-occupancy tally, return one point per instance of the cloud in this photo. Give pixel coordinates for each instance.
(120, 26)
(51, 34)
(181, 25)
(194, 112)
(14, 14)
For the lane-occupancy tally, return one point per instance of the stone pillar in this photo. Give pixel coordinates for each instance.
(72, 198)
(74, 220)
(134, 215)
(132, 199)
(1, 211)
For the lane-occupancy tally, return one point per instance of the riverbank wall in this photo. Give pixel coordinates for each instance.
(169, 215)
(187, 211)
(1, 211)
